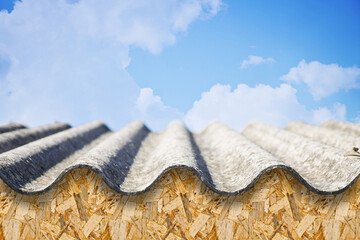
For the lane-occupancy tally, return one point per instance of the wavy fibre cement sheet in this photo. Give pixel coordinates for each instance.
(323, 158)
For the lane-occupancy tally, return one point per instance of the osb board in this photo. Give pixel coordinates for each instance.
(179, 206)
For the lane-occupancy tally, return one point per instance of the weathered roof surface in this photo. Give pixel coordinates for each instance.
(14, 139)
(10, 127)
(324, 158)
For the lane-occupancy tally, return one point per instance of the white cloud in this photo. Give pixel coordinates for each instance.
(153, 112)
(357, 119)
(254, 61)
(276, 106)
(323, 114)
(236, 108)
(322, 79)
(67, 61)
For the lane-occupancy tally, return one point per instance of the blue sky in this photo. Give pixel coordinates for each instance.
(288, 31)
(197, 61)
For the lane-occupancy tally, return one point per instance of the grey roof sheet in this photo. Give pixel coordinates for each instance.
(324, 158)
(10, 127)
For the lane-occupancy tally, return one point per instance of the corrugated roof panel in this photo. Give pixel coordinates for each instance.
(17, 138)
(323, 168)
(23, 165)
(234, 162)
(8, 127)
(133, 159)
(343, 126)
(160, 152)
(334, 137)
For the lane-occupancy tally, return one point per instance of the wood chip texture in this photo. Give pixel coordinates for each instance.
(159, 213)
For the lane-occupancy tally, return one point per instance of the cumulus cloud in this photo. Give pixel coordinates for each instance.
(338, 113)
(277, 106)
(66, 60)
(357, 119)
(254, 61)
(153, 112)
(324, 80)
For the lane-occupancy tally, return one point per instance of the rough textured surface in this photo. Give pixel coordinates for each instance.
(325, 159)
(343, 126)
(319, 166)
(179, 206)
(10, 127)
(334, 137)
(14, 139)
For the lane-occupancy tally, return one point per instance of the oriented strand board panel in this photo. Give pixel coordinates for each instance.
(179, 206)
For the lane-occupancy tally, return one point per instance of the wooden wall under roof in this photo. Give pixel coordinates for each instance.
(179, 206)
